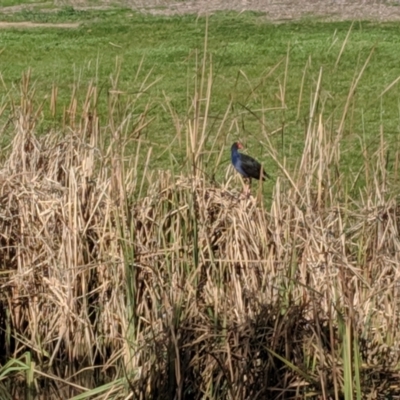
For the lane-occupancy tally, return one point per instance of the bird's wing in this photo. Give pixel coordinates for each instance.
(252, 167)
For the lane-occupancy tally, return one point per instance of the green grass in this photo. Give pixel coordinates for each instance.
(245, 48)
(8, 3)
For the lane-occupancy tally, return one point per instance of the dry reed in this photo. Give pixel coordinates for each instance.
(192, 291)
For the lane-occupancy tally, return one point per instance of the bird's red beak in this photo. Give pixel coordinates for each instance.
(239, 145)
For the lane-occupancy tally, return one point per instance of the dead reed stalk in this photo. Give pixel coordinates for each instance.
(192, 291)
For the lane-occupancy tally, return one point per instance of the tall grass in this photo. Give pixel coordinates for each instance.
(172, 285)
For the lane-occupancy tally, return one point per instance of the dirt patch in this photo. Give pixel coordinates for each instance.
(279, 10)
(289, 10)
(26, 24)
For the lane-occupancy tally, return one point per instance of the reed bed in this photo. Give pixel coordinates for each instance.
(172, 285)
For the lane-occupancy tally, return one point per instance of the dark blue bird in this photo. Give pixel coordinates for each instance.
(247, 166)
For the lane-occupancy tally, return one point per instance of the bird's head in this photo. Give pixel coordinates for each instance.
(236, 146)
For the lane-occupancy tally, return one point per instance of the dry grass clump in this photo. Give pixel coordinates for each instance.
(59, 252)
(266, 305)
(193, 291)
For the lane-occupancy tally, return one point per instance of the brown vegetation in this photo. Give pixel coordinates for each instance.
(191, 291)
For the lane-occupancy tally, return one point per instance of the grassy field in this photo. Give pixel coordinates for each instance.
(127, 252)
(258, 70)
(8, 3)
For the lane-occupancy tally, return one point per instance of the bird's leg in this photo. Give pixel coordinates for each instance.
(249, 191)
(247, 183)
(244, 180)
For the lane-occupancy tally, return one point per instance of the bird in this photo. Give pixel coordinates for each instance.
(247, 166)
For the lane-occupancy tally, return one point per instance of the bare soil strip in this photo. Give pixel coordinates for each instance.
(280, 10)
(275, 10)
(26, 24)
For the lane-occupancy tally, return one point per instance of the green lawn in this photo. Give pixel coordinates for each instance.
(7, 3)
(245, 49)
